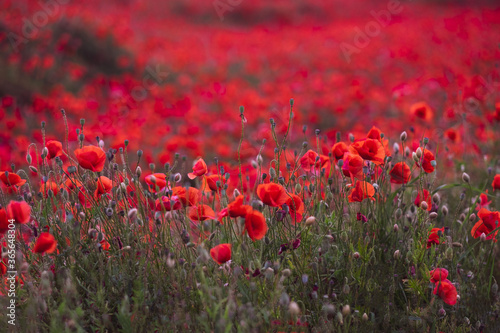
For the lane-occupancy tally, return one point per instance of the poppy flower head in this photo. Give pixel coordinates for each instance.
(312, 160)
(400, 173)
(296, 207)
(11, 179)
(255, 225)
(272, 194)
(199, 169)
(426, 160)
(55, 149)
(338, 151)
(488, 221)
(104, 185)
(46, 243)
(49, 185)
(353, 166)
(438, 274)
(19, 211)
(91, 158)
(422, 110)
(496, 183)
(188, 197)
(237, 208)
(156, 182)
(362, 191)
(167, 204)
(434, 236)
(201, 213)
(375, 133)
(424, 196)
(369, 149)
(221, 253)
(446, 291)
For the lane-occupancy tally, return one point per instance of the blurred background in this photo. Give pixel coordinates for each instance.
(170, 76)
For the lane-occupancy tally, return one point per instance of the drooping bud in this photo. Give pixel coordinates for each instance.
(465, 178)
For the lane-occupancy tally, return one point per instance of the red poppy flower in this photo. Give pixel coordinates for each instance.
(189, 197)
(434, 237)
(308, 161)
(438, 274)
(488, 222)
(237, 208)
(272, 194)
(369, 149)
(49, 185)
(400, 173)
(156, 182)
(211, 182)
(496, 183)
(19, 211)
(13, 179)
(256, 225)
(201, 213)
(72, 183)
(421, 110)
(4, 221)
(338, 151)
(362, 191)
(91, 158)
(427, 159)
(446, 291)
(221, 253)
(55, 149)
(424, 197)
(353, 166)
(199, 169)
(167, 204)
(46, 243)
(104, 185)
(296, 206)
(483, 201)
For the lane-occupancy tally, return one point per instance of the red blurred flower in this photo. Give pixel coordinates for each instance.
(422, 110)
(237, 208)
(427, 158)
(13, 179)
(211, 182)
(199, 169)
(221, 253)
(438, 274)
(496, 183)
(55, 149)
(156, 182)
(256, 225)
(434, 237)
(424, 197)
(272, 194)
(104, 185)
(353, 166)
(296, 206)
(488, 222)
(312, 159)
(49, 185)
(167, 204)
(91, 158)
(189, 197)
(4, 221)
(400, 173)
(362, 191)
(446, 291)
(19, 211)
(338, 151)
(46, 243)
(201, 213)
(369, 149)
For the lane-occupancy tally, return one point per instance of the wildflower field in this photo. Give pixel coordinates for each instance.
(249, 166)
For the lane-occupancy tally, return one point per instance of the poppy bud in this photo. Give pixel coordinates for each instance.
(291, 101)
(33, 169)
(356, 255)
(351, 137)
(419, 152)
(449, 253)
(346, 310)
(407, 151)
(272, 172)
(403, 136)
(472, 217)
(294, 309)
(298, 188)
(483, 237)
(397, 255)
(465, 178)
(138, 171)
(424, 205)
(340, 318)
(426, 141)
(365, 316)
(433, 215)
(395, 147)
(236, 193)
(286, 272)
(396, 228)
(444, 210)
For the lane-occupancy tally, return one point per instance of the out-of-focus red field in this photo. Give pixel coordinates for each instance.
(170, 77)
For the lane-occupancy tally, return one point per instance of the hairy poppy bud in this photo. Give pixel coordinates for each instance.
(403, 136)
(138, 171)
(397, 255)
(465, 178)
(424, 205)
(365, 316)
(419, 152)
(433, 215)
(356, 255)
(294, 309)
(346, 310)
(444, 210)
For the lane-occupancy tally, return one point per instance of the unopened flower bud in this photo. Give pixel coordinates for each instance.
(346, 310)
(236, 193)
(138, 171)
(396, 228)
(365, 316)
(482, 237)
(433, 215)
(403, 136)
(444, 210)
(310, 220)
(465, 178)
(294, 309)
(472, 217)
(397, 255)
(424, 205)
(419, 152)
